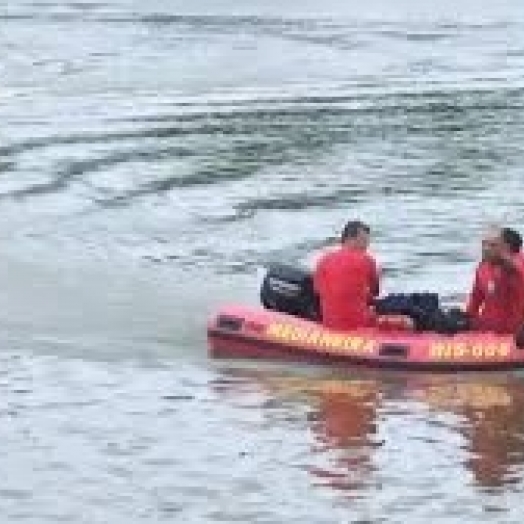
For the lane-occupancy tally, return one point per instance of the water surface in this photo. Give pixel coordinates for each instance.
(153, 157)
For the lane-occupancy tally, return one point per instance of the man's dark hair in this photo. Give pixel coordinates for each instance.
(512, 239)
(353, 228)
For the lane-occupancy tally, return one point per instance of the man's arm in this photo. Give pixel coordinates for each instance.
(476, 297)
(516, 311)
(374, 279)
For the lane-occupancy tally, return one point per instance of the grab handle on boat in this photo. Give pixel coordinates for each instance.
(394, 350)
(229, 323)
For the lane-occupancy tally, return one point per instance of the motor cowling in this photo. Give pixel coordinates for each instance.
(289, 289)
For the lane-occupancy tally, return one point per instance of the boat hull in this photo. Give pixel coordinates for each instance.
(238, 332)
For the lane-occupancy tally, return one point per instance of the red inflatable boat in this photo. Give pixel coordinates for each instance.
(243, 332)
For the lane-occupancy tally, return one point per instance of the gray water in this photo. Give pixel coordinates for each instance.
(153, 157)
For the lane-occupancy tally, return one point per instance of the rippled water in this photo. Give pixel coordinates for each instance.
(153, 157)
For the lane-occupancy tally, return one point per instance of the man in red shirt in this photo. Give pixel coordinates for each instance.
(346, 280)
(513, 240)
(496, 302)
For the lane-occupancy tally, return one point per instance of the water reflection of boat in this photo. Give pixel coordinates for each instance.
(493, 422)
(346, 415)
(341, 417)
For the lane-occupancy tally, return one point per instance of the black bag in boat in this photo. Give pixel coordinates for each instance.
(425, 310)
(421, 307)
(451, 321)
(290, 290)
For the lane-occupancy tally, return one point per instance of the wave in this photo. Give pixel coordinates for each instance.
(449, 135)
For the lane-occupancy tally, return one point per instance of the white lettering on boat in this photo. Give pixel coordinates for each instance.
(469, 350)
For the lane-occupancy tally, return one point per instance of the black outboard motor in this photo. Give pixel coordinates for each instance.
(290, 290)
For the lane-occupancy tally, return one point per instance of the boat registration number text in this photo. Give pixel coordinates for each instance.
(469, 350)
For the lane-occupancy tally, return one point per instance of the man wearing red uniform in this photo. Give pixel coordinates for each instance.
(496, 302)
(513, 240)
(346, 280)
